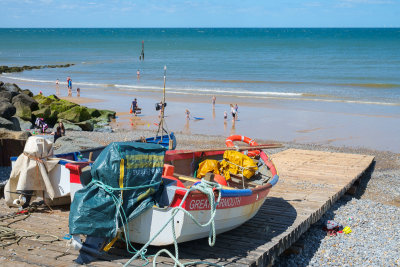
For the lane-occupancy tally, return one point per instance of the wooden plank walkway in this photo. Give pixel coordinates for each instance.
(310, 182)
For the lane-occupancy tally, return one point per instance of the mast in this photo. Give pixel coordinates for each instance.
(162, 120)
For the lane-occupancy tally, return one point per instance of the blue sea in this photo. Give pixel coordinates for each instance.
(359, 65)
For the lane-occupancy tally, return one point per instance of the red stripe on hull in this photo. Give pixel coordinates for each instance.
(198, 201)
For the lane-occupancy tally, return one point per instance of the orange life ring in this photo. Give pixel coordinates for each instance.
(251, 153)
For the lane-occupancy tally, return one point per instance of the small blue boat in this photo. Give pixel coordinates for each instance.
(162, 140)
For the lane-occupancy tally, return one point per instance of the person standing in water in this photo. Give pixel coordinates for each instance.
(57, 87)
(69, 80)
(233, 112)
(213, 101)
(138, 74)
(187, 112)
(78, 92)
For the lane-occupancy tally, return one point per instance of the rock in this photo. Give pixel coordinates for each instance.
(86, 125)
(53, 118)
(62, 106)
(11, 87)
(55, 98)
(18, 135)
(107, 114)
(6, 94)
(42, 100)
(105, 129)
(42, 113)
(7, 110)
(94, 112)
(4, 123)
(75, 114)
(26, 100)
(68, 144)
(16, 124)
(23, 111)
(27, 92)
(70, 126)
(24, 125)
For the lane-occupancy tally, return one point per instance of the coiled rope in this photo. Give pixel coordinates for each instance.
(9, 236)
(204, 186)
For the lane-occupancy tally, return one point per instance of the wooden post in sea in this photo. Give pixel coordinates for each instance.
(142, 54)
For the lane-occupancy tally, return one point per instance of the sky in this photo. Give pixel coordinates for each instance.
(206, 13)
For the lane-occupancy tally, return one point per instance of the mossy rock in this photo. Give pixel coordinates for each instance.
(42, 100)
(94, 112)
(53, 118)
(86, 125)
(62, 106)
(27, 92)
(75, 114)
(23, 111)
(107, 114)
(42, 113)
(71, 126)
(54, 98)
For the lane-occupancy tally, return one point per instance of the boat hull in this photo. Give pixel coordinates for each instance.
(148, 224)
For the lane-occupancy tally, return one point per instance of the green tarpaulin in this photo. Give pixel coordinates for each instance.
(128, 164)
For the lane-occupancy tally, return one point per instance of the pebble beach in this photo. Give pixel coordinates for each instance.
(372, 213)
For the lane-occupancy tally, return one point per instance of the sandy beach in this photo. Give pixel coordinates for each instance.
(299, 121)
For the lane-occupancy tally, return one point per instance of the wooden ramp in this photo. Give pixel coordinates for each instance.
(310, 182)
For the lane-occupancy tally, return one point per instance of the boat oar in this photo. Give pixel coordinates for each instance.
(265, 146)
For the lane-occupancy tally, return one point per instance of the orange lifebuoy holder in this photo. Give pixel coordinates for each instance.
(251, 153)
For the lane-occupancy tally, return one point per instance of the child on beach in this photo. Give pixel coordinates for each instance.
(187, 112)
(138, 74)
(78, 92)
(236, 109)
(213, 101)
(225, 115)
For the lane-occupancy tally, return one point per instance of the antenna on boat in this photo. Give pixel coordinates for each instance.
(162, 120)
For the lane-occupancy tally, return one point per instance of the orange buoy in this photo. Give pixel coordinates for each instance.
(229, 143)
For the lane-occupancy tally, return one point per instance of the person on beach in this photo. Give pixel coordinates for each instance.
(61, 125)
(69, 81)
(78, 92)
(187, 112)
(57, 134)
(57, 87)
(233, 112)
(138, 74)
(225, 115)
(213, 101)
(134, 106)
